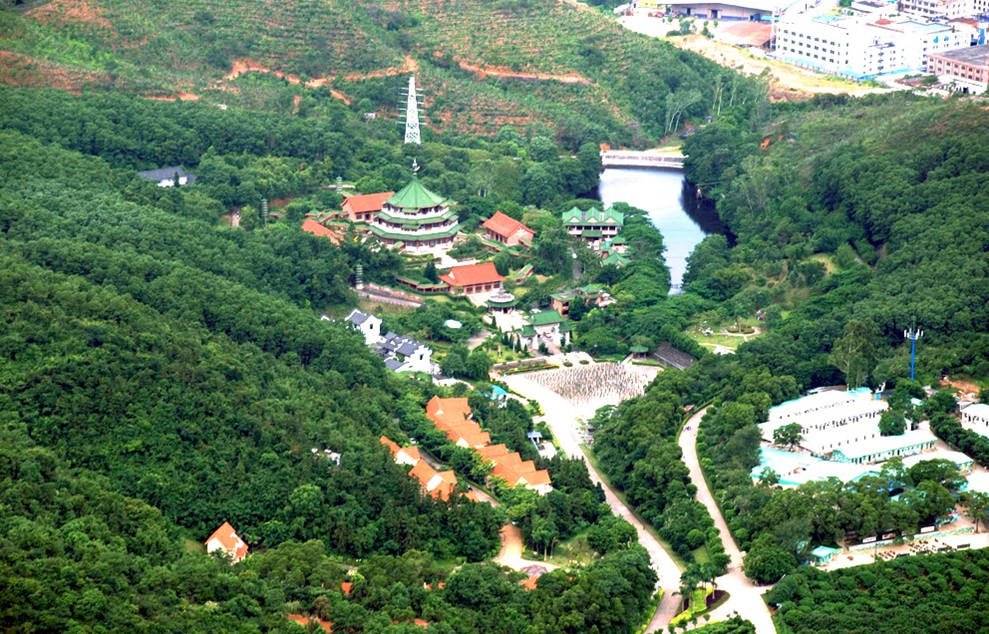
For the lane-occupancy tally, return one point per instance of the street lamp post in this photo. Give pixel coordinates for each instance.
(913, 334)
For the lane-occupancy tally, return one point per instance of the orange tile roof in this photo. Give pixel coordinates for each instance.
(445, 412)
(470, 432)
(395, 450)
(492, 452)
(504, 226)
(537, 478)
(423, 473)
(440, 481)
(229, 540)
(311, 226)
(363, 203)
(472, 274)
(346, 587)
(391, 444)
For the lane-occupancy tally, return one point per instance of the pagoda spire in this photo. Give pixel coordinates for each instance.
(412, 114)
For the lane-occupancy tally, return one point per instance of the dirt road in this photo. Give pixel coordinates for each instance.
(746, 597)
(561, 416)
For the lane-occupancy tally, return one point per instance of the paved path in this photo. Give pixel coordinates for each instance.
(511, 551)
(746, 597)
(561, 416)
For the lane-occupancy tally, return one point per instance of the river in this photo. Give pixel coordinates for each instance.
(671, 205)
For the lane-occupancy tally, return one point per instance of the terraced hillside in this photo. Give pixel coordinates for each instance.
(482, 64)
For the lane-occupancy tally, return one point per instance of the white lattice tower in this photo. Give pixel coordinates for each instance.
(412, 115)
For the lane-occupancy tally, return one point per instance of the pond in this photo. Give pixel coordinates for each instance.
(672, 207)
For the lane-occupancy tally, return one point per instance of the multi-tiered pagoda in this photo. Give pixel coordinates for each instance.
(417, 220)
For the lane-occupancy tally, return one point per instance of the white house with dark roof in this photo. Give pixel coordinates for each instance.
(405, 354)
(167, 176)
(367, 324)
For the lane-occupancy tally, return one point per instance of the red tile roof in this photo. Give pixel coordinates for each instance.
(504, 226)
(311, 226)
(346, 587)
(472, 274)
(363, 203)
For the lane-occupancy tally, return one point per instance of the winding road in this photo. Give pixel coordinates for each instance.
(561, 416)
(746, 597)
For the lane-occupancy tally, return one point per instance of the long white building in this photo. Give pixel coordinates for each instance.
(863, 47)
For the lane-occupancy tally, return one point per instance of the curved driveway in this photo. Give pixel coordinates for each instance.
(746, 597)
(561, 416)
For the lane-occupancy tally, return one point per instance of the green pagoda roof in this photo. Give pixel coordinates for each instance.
(415, 196)
(528, 331)
(616, 258)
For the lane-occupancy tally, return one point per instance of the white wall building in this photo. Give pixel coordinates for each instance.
(977, 416)
(367, 324)
(950, 9)
(863, 47)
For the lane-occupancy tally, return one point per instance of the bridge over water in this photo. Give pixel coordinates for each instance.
(628, 158)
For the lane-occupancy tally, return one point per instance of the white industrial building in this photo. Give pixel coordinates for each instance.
(844, 427)
(819, 414)
(864, 47)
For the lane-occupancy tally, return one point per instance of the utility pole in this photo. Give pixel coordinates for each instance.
(913, 335)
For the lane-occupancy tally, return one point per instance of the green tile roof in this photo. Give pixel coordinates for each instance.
(421, 220)
(616, 258)
(421, 237)
(593, 216)
(415, 196)
(545, 317)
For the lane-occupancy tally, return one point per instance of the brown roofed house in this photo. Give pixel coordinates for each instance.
(508, 230)
(364, 207)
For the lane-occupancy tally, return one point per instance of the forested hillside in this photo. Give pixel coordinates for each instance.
(162, 372)
(858, 212)
(480, 65)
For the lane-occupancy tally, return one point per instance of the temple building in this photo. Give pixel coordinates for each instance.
(416, 219)
(596, 226)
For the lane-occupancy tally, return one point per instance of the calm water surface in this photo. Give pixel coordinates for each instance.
(671, 205)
